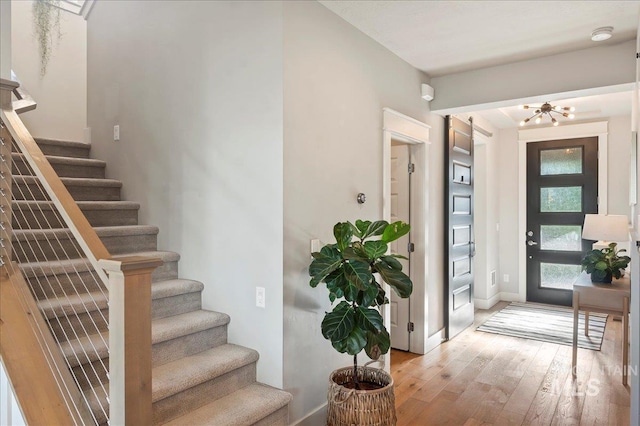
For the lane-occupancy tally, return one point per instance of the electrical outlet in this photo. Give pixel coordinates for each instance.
(315, 246)
(260, 297)
(505, 278)
(116, 132)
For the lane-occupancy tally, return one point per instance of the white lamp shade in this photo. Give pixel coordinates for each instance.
(605, 227)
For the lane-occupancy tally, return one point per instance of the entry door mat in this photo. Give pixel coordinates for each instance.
(546, 323)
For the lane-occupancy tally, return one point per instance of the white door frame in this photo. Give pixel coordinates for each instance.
(565, 131)
(399, 127)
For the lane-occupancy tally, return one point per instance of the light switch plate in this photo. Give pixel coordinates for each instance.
(116, 132)
(260, 297)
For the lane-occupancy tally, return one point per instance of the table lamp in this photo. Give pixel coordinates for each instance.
(606, 229)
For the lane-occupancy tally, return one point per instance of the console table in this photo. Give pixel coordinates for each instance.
(610, 299)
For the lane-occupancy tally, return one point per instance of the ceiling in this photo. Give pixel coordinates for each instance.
(444, 37)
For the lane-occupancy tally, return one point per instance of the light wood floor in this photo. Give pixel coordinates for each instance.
(483, 379)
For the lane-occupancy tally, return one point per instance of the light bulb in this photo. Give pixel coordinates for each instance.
(555, 122)
(571, 116)
(520, 106)
(572, 109)
(522, 123)
(538, 120)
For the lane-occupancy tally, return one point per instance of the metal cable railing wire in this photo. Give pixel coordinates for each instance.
(75, 322)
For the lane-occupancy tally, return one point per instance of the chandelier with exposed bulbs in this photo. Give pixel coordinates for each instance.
(548, 110)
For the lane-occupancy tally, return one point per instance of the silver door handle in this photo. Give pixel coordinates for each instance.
(532, 243)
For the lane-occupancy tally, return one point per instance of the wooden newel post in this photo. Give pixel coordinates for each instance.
(130, 339)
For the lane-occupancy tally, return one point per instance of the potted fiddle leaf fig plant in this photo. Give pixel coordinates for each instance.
(353, 269)
(605, 264)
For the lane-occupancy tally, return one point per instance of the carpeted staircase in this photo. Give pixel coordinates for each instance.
(198, 378)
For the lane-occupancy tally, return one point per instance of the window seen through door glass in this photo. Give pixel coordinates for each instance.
(561, 237)
(556, 275)
(563, 161)
(561, 199)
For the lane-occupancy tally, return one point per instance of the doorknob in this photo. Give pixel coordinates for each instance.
(532, 243)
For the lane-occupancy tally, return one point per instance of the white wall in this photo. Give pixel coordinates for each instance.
(508, 209)
(337, 81)
(61, 93)
(5, 39)
(485, 215)
(617, 183)
(196, 88)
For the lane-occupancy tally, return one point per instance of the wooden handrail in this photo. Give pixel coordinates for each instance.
(24, 101)
(78, 224)
(38, 386)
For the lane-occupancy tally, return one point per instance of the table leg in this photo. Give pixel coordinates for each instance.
(625, 339)
(586, 323)
(574, 357)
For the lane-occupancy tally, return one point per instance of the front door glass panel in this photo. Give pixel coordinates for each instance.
(561, 199)
(561, 237)
(563, 161)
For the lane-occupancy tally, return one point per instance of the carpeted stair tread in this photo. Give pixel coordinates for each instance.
(245, 406)
(175, 287)
(71, 161)
(69, 148)
(31, 269)
(86, 349)
(84, 205)
(161, 330)
(74, 303)
(68, 181)
(184, 373)
(91, 301)
(168, 328)
(102, 231)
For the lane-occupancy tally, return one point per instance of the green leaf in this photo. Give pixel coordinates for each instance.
(391, 262)
(336, 282)
(338, 323)
(394, 231)
(361, 227)
(376, 228)
(325, 262)
(368, 297)
(355, 252)
(351, 292)
(353, 343)
(375, 249)
(377, 344)
(398, 280)
(369, 319)
(601, 266)
(343, 233)
(399, 256)
(358, 273)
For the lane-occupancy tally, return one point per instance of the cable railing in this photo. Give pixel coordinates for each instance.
(63, 305)
(56, 291)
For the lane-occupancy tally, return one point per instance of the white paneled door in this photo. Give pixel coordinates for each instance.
(400, 210)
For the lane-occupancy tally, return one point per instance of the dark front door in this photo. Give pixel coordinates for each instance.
(562, 186)
(459, 244)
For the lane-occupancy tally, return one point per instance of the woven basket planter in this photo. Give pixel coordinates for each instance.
(349, 407)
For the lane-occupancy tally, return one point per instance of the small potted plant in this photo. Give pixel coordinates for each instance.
(350, 268)
(605, 264)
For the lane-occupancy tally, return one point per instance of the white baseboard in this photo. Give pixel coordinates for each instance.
(487, 303)
(512, 297)
(434, 340)
(309, 419)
